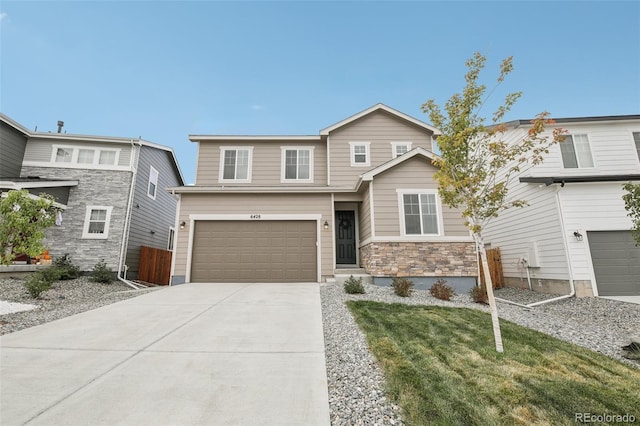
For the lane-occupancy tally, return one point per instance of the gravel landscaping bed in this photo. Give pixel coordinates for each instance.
(356, 383)
(63, 299)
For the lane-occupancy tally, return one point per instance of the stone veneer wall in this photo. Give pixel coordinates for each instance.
(559, 287)
(419, 259)
(95, 188)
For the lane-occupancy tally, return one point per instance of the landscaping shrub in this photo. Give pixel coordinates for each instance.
(479, 294)
(441, 290)
(402, 286)
(67, 270)
(51, 274)
(101, 273)
(353, 286)
(37, 284)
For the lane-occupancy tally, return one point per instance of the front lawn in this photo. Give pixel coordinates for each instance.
(442, 368)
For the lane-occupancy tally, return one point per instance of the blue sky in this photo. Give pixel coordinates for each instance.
(165, 69)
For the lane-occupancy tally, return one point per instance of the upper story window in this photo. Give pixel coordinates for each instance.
(636, 139)
(171, 240)
(419, 212)
(85, 156)
(360, 153)
(297, 164)
(152, 188)
(96, 222)
(235, 164)
(399, 148)
(576, 152)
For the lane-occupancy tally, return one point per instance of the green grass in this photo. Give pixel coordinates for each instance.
(441, 367)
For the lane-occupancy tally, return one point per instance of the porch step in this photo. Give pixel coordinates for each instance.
(343, 274)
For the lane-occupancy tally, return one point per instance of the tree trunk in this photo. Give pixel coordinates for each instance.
(489, 286)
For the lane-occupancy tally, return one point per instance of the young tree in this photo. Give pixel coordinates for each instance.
(632, 205)
(23, 220)
(476, 164)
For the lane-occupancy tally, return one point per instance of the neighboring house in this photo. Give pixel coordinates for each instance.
(110, 191)
(575, 231)
(304, 208)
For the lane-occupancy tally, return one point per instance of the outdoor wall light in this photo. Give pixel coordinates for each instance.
(578, 235)
(183, 224)
(326, 224)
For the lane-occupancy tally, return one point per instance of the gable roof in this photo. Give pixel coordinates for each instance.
(594, 119)
(380, 107)
(419, 151)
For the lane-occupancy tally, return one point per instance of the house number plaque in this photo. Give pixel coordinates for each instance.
(254, 216)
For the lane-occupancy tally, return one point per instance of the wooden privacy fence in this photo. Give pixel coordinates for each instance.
(155, 265)
(495, 268)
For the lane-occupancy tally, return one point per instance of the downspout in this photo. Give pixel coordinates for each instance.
(127, 223)
(566, 250)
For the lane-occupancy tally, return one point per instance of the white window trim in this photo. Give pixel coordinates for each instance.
(107, 221)
(75, 150)
(403, 230)
(573, 141)
(633, 144)
(155, 182)
(283, 155)
(367, 146)
(394, 154)
(249, 165)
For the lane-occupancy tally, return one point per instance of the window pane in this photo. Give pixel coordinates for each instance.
(107, 157)
(411, 214)
(568, 153)
(98, 215)
(152, 189)
(96, 227)
(229, 171)
(636, 139)
(291, 164)
(401, 149)
(63, 155)
(429, 214)
(242, 166)
(303, 171)
(583, 152)
(85, 156)
(360, 158)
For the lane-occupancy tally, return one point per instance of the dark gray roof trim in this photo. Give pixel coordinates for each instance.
(516, 123)
(550, 180)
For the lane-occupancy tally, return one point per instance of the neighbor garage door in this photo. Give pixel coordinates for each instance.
(616, 262)
(254, 251)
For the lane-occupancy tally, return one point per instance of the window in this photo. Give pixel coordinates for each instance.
(636, 139)
(235, 164)
(359, 153)
(297, 164)
(172, 235)
(419, 211)
(96, 223)
(576, 152)
(399, 148)
(83, 157)
(153, 183)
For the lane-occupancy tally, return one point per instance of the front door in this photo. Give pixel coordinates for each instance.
(345, 237)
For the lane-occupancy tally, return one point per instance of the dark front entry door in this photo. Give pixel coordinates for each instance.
(345, 237)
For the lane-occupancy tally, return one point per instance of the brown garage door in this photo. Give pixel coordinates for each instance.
(616, 262)
(254, 251)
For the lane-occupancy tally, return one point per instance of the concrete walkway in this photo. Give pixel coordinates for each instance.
(194, 354)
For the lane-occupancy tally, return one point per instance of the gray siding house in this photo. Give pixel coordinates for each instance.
(110, 191)
(358, 198)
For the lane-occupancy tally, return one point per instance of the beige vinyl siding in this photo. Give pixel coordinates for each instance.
(380, 129)
(416, 173)
(255, 204)
(266, 167)
(365, 215)
(41, 150)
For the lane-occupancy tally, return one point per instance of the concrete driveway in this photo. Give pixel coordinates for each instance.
(194, 354)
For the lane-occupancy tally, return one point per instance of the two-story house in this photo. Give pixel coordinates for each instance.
(302, 208)
(575, 233)
(110, 192)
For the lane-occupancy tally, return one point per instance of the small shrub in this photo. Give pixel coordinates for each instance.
(101, 273)
(479, 294)
(37, 284)
(441, 290)
(353, 286)
(402, 286)
(51, 274)
(67, 270)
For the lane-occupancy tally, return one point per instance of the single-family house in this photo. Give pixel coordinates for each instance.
(575, 232)
(357, 198)
(109, 191)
